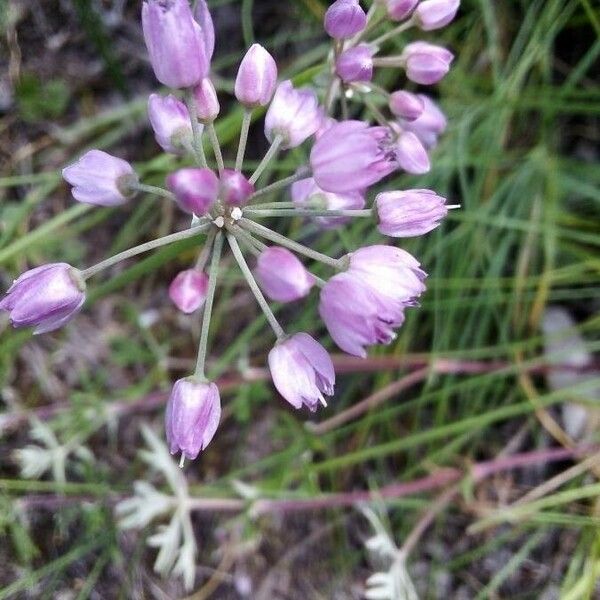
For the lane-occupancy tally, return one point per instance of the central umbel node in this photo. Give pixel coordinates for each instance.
(228, 216)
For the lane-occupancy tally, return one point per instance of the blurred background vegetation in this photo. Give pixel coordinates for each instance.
(466, 381)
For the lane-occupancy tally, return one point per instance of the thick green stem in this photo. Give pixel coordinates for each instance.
(271, 153)
(210, 296)
(197, 147)
(246, 119)
(262, 302)
(163, 241)
(214, 140)
(277, 238)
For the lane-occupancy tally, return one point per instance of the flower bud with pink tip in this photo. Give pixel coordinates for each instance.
(282, 276)
(293, 114)
(426, 63)
(256, 78)
(434, 14)
(411, 154)
(234, 188)
(409, 213)
(176, 43)
(302, 371)
(195, 190)
(207, 102)
(355, 64)
(192, 416)
(429, 125)
(188, 290)
(399, 10)
(406, 105)
(170, 121)
(101, 179)
(45, 297)
(344, 19)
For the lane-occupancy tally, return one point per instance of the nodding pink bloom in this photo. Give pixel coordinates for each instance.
(170, 121)
(204, 19)
(325, 123)
(195, 190)
(302, 371)
(398, 10)
(101, 179)
(45, 297)
(351, 156)
(382, 281)
(430, 125)
(407, 106)
(188, 290)
(307, 194)
(433, 14)
(409, 213)
(426, 63)
(355, 64)
(293, 114)
(344, 18)
(192, 416)
(234, 188)
(256, 78)
(207, 102)
(176, 43)
(282, 276)
(411, 154)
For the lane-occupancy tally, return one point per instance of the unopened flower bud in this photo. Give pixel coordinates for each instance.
(234, 188)
(195, 190)
(282, 276)
(207, 103)
(398, 10)
(170, 121)
(344, 18)
(405, 105)
(433, 14)
(355, 64)
(101, 179)
(411, 155)
(430, 125)
(204, 19)
(256, 78)
(188, 290)
(426, 63)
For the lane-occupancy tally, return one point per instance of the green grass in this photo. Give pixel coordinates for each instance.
(522, 103)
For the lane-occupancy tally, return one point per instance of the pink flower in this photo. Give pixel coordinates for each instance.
(302, 371)
(282, 276)
(409, 213)
(170, 121)
(344, 18)
(192, 416)
(101, 179)
(207, 101)
(188, 290)
(351, 155)
(430, 125)
(256, 77)
(398, 10)
(426, 63)
(204, 19)
(355, 64)
(411, 154)
(234, 188)
(433, 14)
(195, 190)
(406, 105)
(45, 297)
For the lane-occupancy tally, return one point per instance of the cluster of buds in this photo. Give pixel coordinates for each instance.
(364, 300)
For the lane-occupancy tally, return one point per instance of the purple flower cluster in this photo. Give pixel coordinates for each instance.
(364, 301)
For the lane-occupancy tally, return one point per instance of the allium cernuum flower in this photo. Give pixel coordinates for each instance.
(351, 156)
(429, 125)
(411, 154)
(176, 44)
(188, 290)
(293, 114)
(195, 190)
(406, 105)
(170, 121)
(426, 63)
(256, 78)
(234, 188)
(204, 19)
(282, 276)
(45, 297)
(344, 18)
(355, 64)
(409, 213)
(302, 371)
(398, 10)
(192, 416)
(100, 178)
(207, 102)
(433, 14)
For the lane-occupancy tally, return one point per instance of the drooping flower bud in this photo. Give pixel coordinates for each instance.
(207, 102)
(407, 106)
(426, 63)
(302, 371)
(355, 64)
(433, 14)
(344, 18)
(256, 78)
(398, 10)
(192, 416)
(293, 114)
(101, 179)
(411, 155)
(170, 121)
(195, 190)
(409, 213)
(282, 276)
(430, 125)
(188, 290)
(234, 188)
(204, 19)
(45, 297)
(176, 43)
